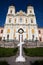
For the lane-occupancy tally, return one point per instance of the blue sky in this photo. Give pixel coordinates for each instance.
(22, 5)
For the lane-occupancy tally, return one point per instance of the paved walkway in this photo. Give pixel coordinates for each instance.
(11, 60)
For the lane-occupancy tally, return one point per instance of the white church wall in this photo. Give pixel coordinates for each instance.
(15, 20)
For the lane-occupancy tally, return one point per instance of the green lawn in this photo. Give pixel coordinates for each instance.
(37, 62)
(7, 52)
(34, 52)
(3, 63)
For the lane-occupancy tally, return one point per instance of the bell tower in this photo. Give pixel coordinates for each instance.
(11, 10)
(33, 29)
(30, 10)
(8, 28)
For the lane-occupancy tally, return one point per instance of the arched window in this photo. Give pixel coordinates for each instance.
(39, 32)
(9, 20)
(8, 37)
(3, 38)
(1, 31)
(32, 31)
(26, 20)
(40, 38)
(0, 38)
(31, 20)
(20, 19)
(10, 11)
(8, 31)
(15, 20)
(30, 11)
(32, 37)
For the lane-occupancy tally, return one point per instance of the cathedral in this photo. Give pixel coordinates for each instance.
(17, 23)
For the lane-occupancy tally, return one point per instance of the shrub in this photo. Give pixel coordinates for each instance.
(33, 51)
(6, 52)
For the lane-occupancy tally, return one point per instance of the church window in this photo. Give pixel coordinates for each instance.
(30, 11)
(9, 20)
(32, 37)
(11, 11)
(3, 38)
(31, 20)
(32, 31)
(40, 38)
(39, 32)
(1, 31)
(0, 38)
(8, 31)
(8, 37)
(15, 20)
(20, 19)
(26, 20)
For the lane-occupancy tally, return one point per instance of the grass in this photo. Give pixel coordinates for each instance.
(37, 62)
(3, 63)
(38, 52)
(7, 52)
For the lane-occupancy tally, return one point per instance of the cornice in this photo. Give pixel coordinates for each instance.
(21, 24)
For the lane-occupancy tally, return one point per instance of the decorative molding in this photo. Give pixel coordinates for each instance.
(21, 24)
(10, 15)
(30, 15)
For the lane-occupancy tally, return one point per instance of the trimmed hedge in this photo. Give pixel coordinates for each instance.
(38, 52)
(7, 52)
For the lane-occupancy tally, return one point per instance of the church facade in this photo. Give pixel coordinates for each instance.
(17, 23)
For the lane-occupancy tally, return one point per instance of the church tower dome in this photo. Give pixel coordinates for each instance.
(30, 10)
(11, 10)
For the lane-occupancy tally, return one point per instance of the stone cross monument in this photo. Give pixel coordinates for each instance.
(20, 58)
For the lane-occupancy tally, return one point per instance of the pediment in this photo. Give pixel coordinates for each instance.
(20, 13)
